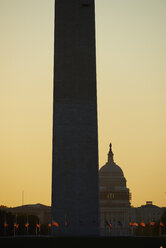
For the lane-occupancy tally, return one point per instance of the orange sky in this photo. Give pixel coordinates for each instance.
(131, 62)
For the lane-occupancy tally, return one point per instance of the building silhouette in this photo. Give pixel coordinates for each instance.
(43, 212)
(114, 199)
(116, 212)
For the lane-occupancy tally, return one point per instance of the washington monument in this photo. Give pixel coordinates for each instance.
(75, 197)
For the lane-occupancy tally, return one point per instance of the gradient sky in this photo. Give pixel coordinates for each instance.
(131, 73)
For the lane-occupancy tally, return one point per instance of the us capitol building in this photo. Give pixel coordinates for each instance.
(115, 210)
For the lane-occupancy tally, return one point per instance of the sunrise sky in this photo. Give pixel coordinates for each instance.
(131, 84)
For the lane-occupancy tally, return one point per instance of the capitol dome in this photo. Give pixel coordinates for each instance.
(111, 167)
(113, 190)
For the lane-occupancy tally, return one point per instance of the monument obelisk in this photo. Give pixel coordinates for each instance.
(75, 198)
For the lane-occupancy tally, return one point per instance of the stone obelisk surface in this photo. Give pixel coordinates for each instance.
(75, 197)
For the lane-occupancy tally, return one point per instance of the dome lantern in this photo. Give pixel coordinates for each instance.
(110, 155)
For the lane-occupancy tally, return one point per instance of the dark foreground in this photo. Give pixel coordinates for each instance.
(127, 242)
